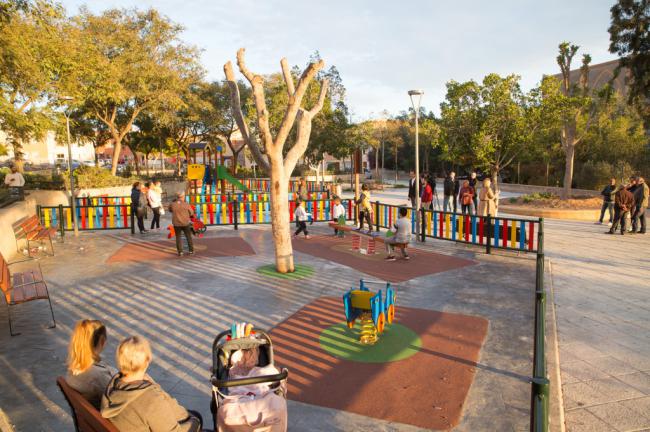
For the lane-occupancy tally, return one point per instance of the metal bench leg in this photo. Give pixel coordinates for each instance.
(11, 328)
(51, 310)
(51, 246)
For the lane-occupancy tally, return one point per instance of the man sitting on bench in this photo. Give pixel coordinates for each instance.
(402, 236)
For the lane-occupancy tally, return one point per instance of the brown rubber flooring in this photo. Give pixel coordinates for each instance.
(339, 250)
(166, 249)
(427, 390)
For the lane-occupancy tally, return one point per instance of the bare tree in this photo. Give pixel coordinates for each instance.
(275, 160)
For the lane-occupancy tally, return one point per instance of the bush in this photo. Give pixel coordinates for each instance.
(537, 196)
(594, 175)
(93, 177)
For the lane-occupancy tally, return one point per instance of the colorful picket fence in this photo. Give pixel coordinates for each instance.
(265, 185)
(89, 217)
(102, 200)
(245, 197)
(500, 232)
(259, 212)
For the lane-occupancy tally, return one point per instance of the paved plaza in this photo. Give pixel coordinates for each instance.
(181, 304)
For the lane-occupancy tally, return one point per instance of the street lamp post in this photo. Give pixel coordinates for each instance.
(415, 96)
(73, 204)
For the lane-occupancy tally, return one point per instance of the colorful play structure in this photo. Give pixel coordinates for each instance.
(370, 309)
(209, 176)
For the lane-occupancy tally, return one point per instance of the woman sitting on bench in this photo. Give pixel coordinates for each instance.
(86, 372)
(402, 230)
(133, 402)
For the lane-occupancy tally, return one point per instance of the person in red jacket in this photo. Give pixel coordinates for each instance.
(466, 196)
(427, 194)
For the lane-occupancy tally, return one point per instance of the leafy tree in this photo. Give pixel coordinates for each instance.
(630, 38)
(572, 106)
(31, 63)
(129, 62)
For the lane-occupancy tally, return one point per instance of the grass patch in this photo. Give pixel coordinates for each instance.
(301, 272)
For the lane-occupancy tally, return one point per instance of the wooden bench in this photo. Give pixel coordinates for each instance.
(30, 230)
(371, 238)
(22, 288)
(85, 416)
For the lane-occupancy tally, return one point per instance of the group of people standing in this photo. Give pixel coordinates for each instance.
(481, 202)
(623, 202)
(144, 196)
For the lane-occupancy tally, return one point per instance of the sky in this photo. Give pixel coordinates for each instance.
(383, 48)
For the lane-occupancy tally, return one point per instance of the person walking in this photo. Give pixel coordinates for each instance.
(411, 196)
(154, 196)
(608, 193)
(139, 205)
(466, 195)
(623, 203)
(182, 213)
(641, 204)
(487, 199)
(451, 189)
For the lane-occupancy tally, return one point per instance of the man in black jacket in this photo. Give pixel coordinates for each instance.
(608, 201)
(412, 189)
(451, 189)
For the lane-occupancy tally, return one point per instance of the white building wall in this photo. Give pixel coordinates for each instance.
(47, 150)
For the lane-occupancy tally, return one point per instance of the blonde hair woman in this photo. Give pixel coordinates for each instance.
(86, 372)
(134, 402)
(487, 200)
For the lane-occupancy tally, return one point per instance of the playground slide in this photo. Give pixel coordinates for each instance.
(223, 174)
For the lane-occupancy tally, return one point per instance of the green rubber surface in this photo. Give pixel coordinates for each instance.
(397, 342)
(301, 272)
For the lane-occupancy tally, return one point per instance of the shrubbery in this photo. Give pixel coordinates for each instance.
(37, 180)
(92, 177)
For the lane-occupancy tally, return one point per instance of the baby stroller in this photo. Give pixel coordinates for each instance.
(233, 407)
(197, 226)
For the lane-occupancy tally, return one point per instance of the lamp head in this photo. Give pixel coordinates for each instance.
(416, 95)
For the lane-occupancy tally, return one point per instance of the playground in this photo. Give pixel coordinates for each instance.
(455, 339)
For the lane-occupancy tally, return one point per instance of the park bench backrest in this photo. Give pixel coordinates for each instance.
(19, 230)
(31, 223)
(5, 278)
(86, 417)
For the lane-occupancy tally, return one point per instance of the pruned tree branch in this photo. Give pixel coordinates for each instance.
(235, 102)
(288, 78)
(321, 98)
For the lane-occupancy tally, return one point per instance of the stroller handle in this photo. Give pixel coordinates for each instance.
(250, 381)
(225, 333)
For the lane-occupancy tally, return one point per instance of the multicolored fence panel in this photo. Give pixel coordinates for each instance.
(501, 232)
(246, 197)
(259, 212)
(265, 185)
(102, 200)
(101, 217)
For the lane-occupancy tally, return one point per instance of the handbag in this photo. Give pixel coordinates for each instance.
(162, 211)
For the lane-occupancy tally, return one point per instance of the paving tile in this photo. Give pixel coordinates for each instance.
(579, 370)
(639, 380)
(583, 351)
(598, 392)
(583, 421)
(639, 405)
(619, 416)
(611, 365)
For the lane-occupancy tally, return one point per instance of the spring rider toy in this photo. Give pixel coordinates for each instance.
(368, 307)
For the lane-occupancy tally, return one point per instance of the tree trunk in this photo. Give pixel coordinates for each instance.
(569, 152)
(235, 158)
(495, 179)
(146, 164)
(117, 148)
(178, 162)
(376, 163)
(19, 162)
(280, 219)
(136, 160)
(96, 158)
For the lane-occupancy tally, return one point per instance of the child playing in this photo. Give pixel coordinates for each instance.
(301, 217)
(402, 230)
(337, 211)
(365, 208)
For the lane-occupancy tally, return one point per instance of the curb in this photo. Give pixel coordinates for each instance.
(556, 402)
